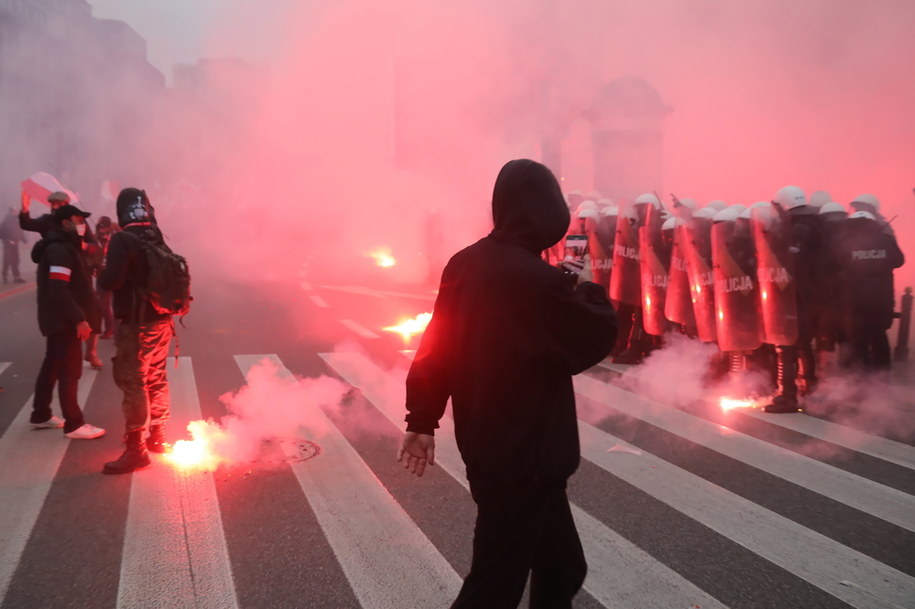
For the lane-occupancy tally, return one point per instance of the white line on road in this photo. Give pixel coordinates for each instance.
(618, 571)
(856, 491)
(29, 460)
(841, 435)
(317, 300)
(360, 330)
(888, 450)
(807, 554)
(387, 559)
(306, 286)
(175, 554)
(4, 366)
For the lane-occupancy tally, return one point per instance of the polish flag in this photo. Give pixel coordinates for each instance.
(40, 185)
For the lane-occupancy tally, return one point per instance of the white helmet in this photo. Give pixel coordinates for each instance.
(585, 205)
(648, 198)
(862, 214)
(728, 214)
(605, 202)
(594, 195)
(867, 200)
(833, 208)
(706, 212)
(609, 210)
(717, 204)
(819, 198)
(672, 223)
(586, 212)
(790, 197)
(765, 214)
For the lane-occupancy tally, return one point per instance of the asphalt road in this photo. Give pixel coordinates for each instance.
(688, 507)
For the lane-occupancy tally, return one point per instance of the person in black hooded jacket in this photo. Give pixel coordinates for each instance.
(143, 335)
(507, 333)
(68, 312)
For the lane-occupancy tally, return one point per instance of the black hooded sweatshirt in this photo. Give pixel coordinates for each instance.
(65, 294)
(507, 333)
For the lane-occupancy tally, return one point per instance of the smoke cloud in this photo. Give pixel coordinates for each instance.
(270, 406)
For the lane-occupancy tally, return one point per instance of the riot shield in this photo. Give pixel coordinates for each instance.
(698, 254)
(601, 235)
(775, 275)
(678, 307)
(625, 282)
(736, 291)
(653, 273)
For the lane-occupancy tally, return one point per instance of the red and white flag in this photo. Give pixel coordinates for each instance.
(40, 185)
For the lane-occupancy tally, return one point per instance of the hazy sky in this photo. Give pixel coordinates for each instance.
(177, 31)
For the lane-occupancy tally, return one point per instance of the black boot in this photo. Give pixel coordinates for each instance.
(155, 442)
(786, 399)
(135, 456)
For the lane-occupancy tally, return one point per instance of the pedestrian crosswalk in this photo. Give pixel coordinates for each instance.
(177, 549)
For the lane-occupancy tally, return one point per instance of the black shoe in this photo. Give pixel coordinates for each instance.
(782, 405)
(135, 456)
(19, 280)
(156, 443)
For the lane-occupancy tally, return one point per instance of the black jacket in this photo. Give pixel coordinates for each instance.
(866, 253)
(125, 272)
(41, 225)
(507, 333)
(65, 294)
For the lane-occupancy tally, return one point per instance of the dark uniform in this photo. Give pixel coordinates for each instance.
(507, 334)
(867, 253)
(65, 298)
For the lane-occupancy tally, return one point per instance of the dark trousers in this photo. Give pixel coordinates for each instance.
(870, 346)
(62, 366)
(517, 534)
(139, 370)
(10, 259)
(104, 301)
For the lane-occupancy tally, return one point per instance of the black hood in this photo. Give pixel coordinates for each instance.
(527, 206)
(133, 207)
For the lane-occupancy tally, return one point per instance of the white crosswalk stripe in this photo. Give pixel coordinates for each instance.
(881, 501)
(172, 509)
(29, 460)
(375, 541)
(175, 552)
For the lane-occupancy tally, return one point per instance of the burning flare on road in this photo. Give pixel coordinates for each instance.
(732, 403)
(411, 327)
(383, 257)
(199, 453)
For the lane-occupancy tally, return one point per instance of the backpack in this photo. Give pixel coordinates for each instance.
(168, 285)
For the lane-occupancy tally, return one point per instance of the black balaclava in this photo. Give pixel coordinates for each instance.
(528, 208)
(133, 207)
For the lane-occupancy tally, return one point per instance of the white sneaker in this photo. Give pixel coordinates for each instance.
(52, 423)
(86, 432)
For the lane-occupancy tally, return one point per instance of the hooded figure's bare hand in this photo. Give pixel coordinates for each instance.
(417, 450)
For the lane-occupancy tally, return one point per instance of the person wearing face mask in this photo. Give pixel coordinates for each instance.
(67, 314)
(143, 334)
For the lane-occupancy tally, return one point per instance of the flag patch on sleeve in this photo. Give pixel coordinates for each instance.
(59, 272)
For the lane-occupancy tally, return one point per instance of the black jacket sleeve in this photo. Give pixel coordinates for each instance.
(427, 382)
(117, 263)
(41, 224)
